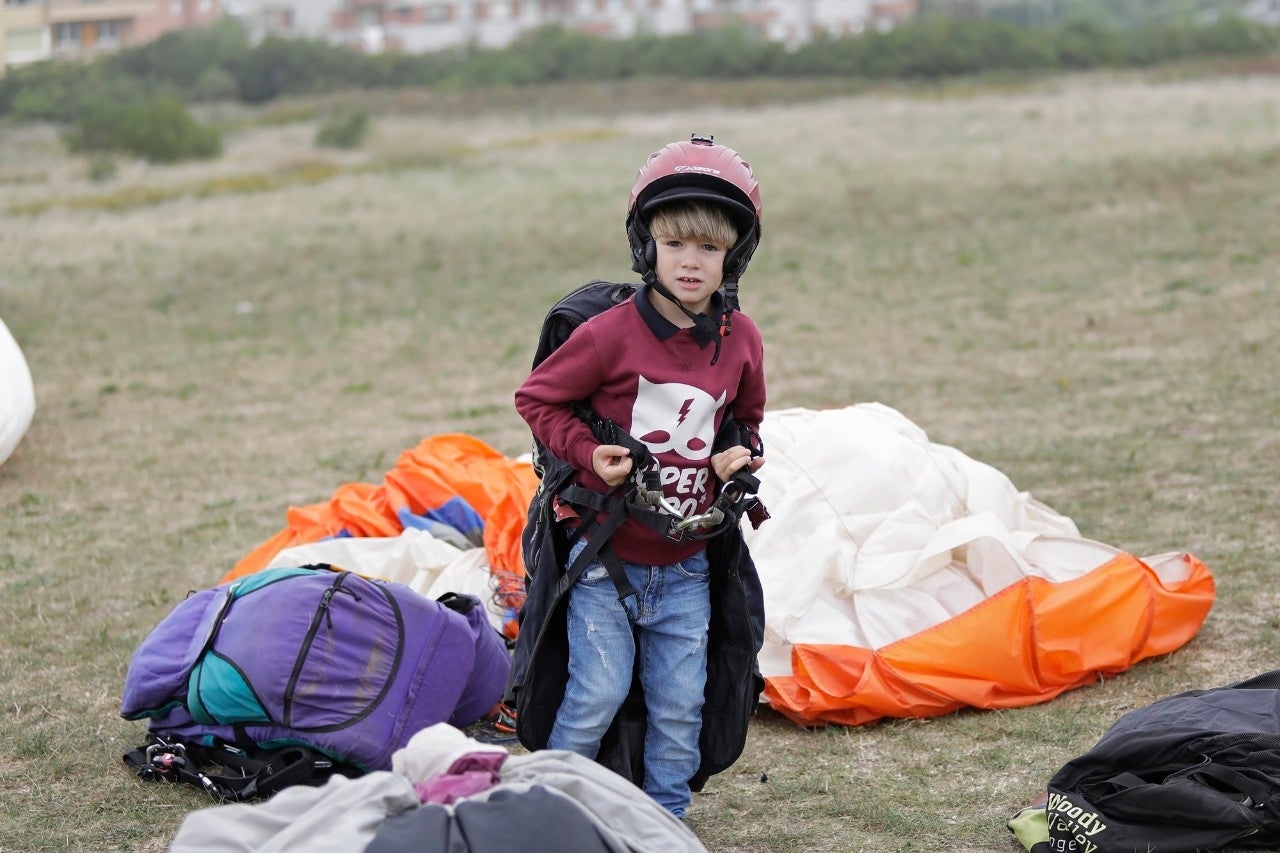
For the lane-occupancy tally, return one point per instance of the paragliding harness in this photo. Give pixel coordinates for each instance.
(640, 497)
(232, 774)
(294, 673)
(539, 664)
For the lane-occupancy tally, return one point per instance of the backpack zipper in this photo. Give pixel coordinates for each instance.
(322, 613)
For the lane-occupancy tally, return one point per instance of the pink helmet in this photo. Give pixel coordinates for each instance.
(698, 169)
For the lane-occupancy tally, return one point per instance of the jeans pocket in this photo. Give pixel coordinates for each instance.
(595, 573)
(695, 567)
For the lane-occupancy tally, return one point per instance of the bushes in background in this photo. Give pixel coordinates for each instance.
(149, 84)
(155, 127)
(344, 128)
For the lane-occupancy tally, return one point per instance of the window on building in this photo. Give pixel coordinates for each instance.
(20, 2)
(22, 41)
(439, 13)
(111, 33)
(66, 35)
(175, 8)
(206, 6)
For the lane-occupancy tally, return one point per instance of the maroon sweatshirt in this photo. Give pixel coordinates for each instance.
(656, 382)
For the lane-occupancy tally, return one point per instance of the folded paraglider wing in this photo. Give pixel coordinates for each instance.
(904, 579)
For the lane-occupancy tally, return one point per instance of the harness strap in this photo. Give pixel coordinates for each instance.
(598, 533)
(590, 503)
(736, 499)
(176, 761)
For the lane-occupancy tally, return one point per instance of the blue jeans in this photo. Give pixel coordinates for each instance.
(670, 617)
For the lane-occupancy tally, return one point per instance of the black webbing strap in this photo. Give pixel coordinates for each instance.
(1227, 779)
(589, 504)
(244, 777)
(597, 533)
(736, 499)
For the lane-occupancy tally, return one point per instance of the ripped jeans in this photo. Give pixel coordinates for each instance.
(674, 609)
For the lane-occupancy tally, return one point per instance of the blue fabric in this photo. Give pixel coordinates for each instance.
(257, 580)
(456, 514)
(672, 612)
(438, 529)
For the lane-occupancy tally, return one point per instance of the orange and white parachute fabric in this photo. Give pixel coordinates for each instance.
(901, 577)
(905, 579)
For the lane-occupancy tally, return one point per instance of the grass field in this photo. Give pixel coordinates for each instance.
(1072, 279)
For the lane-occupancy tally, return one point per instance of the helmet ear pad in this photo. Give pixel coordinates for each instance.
(644, 251)
(735, 262)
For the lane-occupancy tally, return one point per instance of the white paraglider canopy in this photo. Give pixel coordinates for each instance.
(17, 394)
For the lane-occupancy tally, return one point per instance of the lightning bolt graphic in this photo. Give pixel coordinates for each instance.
(684, 410)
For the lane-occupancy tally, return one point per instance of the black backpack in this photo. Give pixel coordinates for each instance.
(1196, 771)
(734, 682)
(574, 309)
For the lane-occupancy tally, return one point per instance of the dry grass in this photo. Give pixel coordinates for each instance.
(1073, 280)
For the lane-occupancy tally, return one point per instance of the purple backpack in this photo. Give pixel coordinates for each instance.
(315, 657)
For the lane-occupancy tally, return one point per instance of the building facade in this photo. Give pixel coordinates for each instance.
(285, 18)
(32, 30)
(416, 26)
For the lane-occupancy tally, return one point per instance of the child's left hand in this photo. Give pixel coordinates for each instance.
(726, 463)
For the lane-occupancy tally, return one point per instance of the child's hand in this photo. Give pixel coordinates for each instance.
(611, 463)
(726, 463)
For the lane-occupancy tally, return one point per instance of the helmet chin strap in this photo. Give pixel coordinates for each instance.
(717, 330)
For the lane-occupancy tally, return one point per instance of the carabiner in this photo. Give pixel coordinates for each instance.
(710, 518)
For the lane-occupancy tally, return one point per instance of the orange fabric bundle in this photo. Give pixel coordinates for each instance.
(1026, 644)
(438, 470)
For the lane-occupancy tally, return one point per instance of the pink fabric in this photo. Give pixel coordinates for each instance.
(467, 775)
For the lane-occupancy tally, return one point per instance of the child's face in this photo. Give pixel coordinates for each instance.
(691, 268)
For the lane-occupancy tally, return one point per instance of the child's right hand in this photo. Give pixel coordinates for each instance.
(612, 463)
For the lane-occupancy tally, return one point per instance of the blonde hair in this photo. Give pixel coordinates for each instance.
(693, 220)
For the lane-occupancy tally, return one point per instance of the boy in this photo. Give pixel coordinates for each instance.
(663, 367)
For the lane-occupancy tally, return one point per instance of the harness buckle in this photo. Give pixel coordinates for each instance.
(656, 500)
(162, 759)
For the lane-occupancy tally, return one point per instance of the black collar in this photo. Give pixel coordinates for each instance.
(663, 328)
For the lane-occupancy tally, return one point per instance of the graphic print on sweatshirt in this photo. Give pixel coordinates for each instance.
(671, 417)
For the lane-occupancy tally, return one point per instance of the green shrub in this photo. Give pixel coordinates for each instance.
(343, 129)
(215, 84)
(157, 128)
(190, 61)
(55, 90)
(101, 168)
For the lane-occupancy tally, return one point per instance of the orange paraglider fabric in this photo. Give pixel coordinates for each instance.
(1025, 644)
(446, 472)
